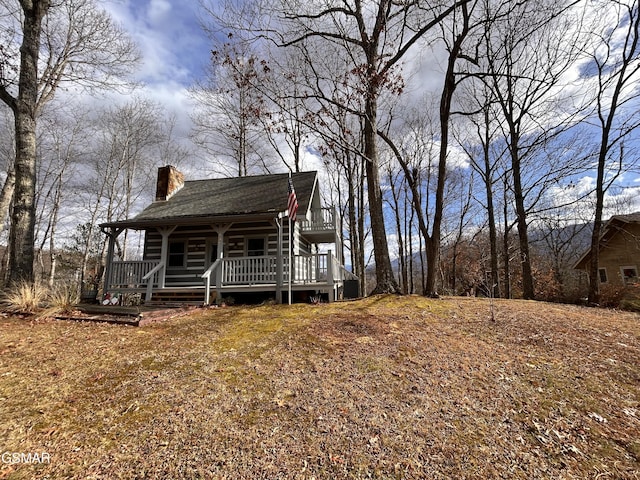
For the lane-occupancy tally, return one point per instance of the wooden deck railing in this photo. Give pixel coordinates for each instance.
(263, 270)
(130, 274)
(322, 219)
(249, 270)
(319, 268)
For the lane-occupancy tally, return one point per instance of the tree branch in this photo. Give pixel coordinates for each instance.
(8, 99)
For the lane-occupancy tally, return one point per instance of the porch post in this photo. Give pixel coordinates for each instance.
(290, 253)
(279, 260)
(220, 231)
(112, 234)
(332, 292)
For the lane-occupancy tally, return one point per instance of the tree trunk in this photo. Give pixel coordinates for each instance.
(6, 195)
(402, 261)
(354, 229)
(22, 234)
(594, 279)
(385, 281)
(361, 237)
(505, 247)
(494, 288)
(626, 73)
(523, 236)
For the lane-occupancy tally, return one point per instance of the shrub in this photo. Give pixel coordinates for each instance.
(625, 298)
(229, 301)
(610, 295)
(631, 298)
(61, 300)
(26, 298)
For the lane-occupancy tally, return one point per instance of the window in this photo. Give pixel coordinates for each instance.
(602, 273)
(255, 247)
(629, 274)
(176, 254)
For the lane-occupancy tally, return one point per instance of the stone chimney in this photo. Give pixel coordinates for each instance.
(170, 180)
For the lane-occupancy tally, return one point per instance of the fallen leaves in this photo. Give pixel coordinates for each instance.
(386, 387)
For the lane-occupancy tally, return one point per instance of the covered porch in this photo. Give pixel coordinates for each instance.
(320, 273)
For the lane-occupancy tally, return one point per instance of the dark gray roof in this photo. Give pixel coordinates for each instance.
(220, 197)
(629, 218)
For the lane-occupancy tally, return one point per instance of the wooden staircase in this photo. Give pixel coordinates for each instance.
(177, 297)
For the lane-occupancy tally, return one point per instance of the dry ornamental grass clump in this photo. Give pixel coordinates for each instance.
(25, 298)
(386, 387)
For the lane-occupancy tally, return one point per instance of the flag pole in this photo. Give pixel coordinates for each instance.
(290, 258)
(292, 208)
(290, 242)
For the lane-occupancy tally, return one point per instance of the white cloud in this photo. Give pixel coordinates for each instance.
(158, 10)
(174, 47)
(576, 200)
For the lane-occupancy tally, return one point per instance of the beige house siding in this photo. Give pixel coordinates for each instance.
(622, 250)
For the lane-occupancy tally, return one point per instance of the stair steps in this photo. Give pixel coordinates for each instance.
(177, 297)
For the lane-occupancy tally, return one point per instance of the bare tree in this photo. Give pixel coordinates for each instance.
(129, 141)
(395, 183)
(7, 159)
(62, 139)
(455, 30)
(376, 37)
(72, 41)
(416, 153)
(339, 145)
(24, 106)
(227, 121)
(480, 141)
(528, 50)
(616, 60)
(461, 216)
(460, 26)
(287, 119)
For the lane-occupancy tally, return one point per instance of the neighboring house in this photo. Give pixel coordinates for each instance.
(619, 259)
(208, 239)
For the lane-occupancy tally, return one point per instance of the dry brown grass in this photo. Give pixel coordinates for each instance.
(387, 387)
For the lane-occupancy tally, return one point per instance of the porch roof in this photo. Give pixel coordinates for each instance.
(230, 199)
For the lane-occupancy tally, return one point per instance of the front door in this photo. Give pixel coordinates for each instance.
(212, 252)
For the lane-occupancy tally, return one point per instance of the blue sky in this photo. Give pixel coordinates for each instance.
(175, 53)
(175, 50)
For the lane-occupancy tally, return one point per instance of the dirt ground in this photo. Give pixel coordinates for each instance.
(386, 387)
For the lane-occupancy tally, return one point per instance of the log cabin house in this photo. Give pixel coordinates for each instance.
(209, 239)
(619, 256)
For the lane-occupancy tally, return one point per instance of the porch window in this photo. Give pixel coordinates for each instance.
(629, 274)
(256, 247)
(177, 255)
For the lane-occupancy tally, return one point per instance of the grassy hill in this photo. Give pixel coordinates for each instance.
(386, 387)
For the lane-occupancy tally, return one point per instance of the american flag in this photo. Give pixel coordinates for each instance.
(292, 201)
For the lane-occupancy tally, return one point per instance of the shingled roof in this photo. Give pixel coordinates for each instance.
(201, 200)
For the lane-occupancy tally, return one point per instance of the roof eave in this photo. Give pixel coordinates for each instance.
(190, 220)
